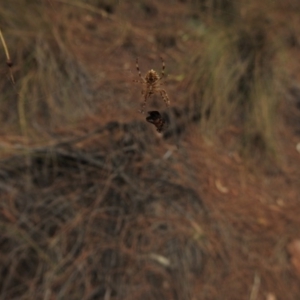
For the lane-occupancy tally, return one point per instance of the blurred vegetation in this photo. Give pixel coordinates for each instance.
(238, 76)
(51, 86)
(115, 213)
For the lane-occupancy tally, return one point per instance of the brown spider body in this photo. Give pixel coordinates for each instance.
(151, 77)
(151, 85)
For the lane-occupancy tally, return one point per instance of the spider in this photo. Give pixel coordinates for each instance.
(151, 85)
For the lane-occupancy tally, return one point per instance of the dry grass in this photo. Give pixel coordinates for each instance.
(51, 86)
(238, 76)
(116, 212)
(80, 223)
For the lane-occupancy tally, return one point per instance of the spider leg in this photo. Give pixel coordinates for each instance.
(163, 68)
(143, 105)
(138, 81)
(138, 69)
(165, 97)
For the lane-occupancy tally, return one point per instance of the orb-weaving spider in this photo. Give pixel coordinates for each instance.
(151, 84)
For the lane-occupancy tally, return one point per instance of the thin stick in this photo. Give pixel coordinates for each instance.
(4, 46)
(255, 287)
(8, 60)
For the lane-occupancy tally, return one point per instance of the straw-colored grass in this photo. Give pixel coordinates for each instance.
(237, 76)
(51, 87)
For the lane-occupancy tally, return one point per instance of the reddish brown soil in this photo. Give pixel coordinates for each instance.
(254, 211)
